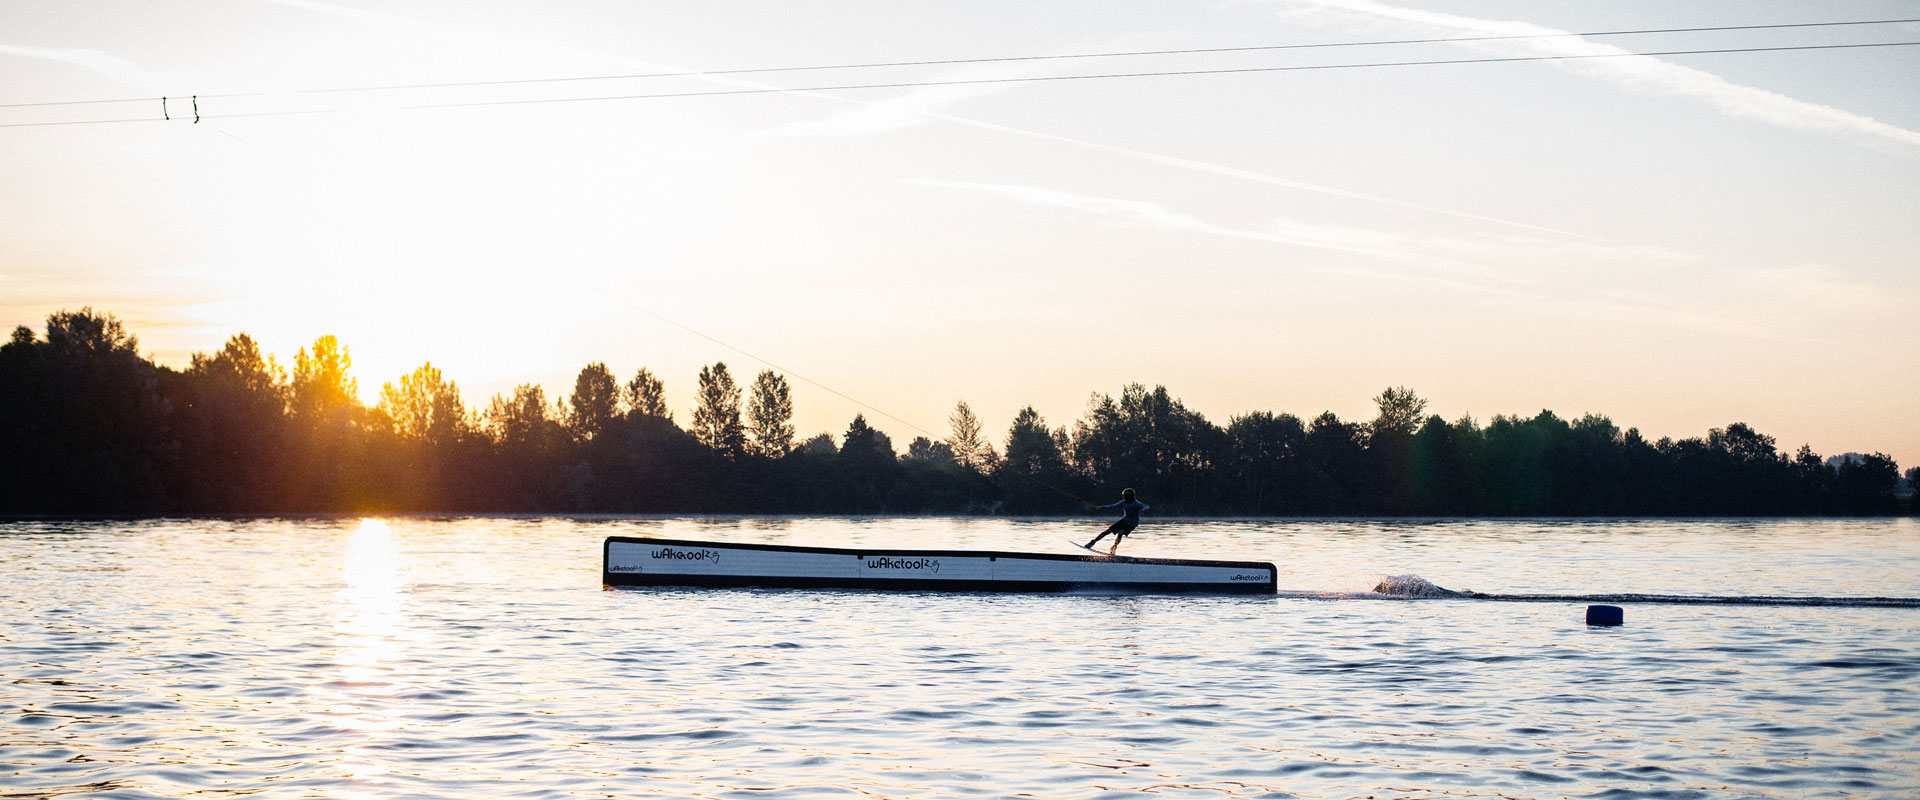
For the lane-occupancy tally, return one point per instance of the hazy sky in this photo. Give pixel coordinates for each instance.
(1679, 242)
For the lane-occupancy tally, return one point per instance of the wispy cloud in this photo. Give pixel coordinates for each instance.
(1377, 245)
(1649, 74)
(1541, 272)
(1323, 237)
(1455, 253)
(111, 66)
(1237, 173)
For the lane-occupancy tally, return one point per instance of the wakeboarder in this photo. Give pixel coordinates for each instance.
(1130, 518)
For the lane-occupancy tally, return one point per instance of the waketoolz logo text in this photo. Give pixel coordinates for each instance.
(687, 555)
(1245, 577)
(884, 562)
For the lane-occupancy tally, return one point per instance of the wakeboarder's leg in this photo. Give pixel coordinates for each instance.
(1103, 535)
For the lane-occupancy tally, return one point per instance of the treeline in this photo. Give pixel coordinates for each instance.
(91, 426)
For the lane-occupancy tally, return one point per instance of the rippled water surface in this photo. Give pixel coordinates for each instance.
(482, 658)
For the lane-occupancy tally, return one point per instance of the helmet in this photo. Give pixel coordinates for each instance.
(1126, 493)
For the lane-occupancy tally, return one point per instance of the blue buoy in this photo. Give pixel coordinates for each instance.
(1605, 615)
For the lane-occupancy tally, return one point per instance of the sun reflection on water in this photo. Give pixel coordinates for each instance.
(366, 622)
(367, 630)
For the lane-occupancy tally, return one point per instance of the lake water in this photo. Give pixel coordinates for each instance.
(426, 657)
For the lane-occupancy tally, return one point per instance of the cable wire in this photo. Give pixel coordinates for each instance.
(993, 60)
(986, 81)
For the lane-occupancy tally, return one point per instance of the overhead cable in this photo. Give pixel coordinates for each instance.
(989, 81)
(992, 60)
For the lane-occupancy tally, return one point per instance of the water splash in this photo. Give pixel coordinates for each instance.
(1413, 586)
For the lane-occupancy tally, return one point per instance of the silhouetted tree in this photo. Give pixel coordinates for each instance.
(521, 419)
(1864, 484)
(970, 449)
(88, 425)
(1585, 463)
(770, 415)
(1646, 483)
(1390, 443)
(1750, 473)
(647, 396)
(925, 449)
(594, 403)
(1034, 474)
(321, 387)
(1812, 482)
(1268, 467)
(1743, 444)
(1516, 464)
(27, 434)
(425, 407)
(1337, 468)
(1440, 476)
(1400, 411)
(716, 420)
(333, 468)
(1150, 441)
(230, 416)
(867, 464)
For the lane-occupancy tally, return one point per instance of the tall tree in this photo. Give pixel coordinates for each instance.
(1034, 470)
(330, 471)
(1269, 461)
(1400, 411)
(27, 412)
(716, 418)
(1744, 444)
(425, 407)
(1336, 466)
(321, 386)
(1030, 445)
(93, 430)
(242, 366)
(770, 415)
(647, 395)
(230, 416)
(520, 419)
(594, 402)
(1864, 484)
(1440, 474)
(867, 464)
(1390, 446)
(970, 449)
(1149, 440)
